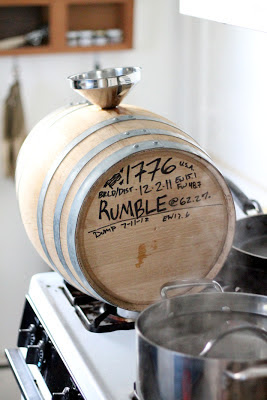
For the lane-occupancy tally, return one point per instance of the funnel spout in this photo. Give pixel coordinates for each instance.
(107, 87)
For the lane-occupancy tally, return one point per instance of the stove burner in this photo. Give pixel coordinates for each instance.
(95, 315)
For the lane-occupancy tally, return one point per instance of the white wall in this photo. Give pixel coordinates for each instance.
(221, 89)
(207, 77)
(44, 88)
(246, 13)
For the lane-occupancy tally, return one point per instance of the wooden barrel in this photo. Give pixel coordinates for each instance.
(121, 201)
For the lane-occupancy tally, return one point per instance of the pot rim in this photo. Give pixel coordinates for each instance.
(250, 217)
(188, 355)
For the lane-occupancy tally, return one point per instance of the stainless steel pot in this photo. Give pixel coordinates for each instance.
(206, 346)
(251, 232)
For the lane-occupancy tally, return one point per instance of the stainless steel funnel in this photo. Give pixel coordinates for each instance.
(106, 87)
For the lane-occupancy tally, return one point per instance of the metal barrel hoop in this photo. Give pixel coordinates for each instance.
(81, 164)
(90, 180)
(69, 110)
(62, 156)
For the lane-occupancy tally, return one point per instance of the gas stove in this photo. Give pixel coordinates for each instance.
(65, 358)
(74, 347)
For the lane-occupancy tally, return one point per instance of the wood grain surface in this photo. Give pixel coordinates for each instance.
(124, 251)
(136, 236)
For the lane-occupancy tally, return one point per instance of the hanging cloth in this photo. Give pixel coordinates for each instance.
(14, 129)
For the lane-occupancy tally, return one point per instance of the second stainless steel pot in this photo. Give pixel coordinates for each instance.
(251, 233)
(208, 346)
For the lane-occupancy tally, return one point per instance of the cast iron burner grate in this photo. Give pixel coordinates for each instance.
(95, 315)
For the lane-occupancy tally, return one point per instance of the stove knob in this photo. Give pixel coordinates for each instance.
(35, 353)
(27, 336)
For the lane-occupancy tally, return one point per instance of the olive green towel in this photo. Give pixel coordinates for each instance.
(14, 129)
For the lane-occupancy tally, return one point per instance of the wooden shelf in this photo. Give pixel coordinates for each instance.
(62, 16)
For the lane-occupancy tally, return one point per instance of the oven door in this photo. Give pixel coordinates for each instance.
(29, 379)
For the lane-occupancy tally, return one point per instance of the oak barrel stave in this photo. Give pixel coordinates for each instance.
(70, 174)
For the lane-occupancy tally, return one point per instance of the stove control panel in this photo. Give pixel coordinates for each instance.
(40, 354)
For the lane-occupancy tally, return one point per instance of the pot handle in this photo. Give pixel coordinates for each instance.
(242, 200)
(253, 372)
(260, 332)
(179, 284)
